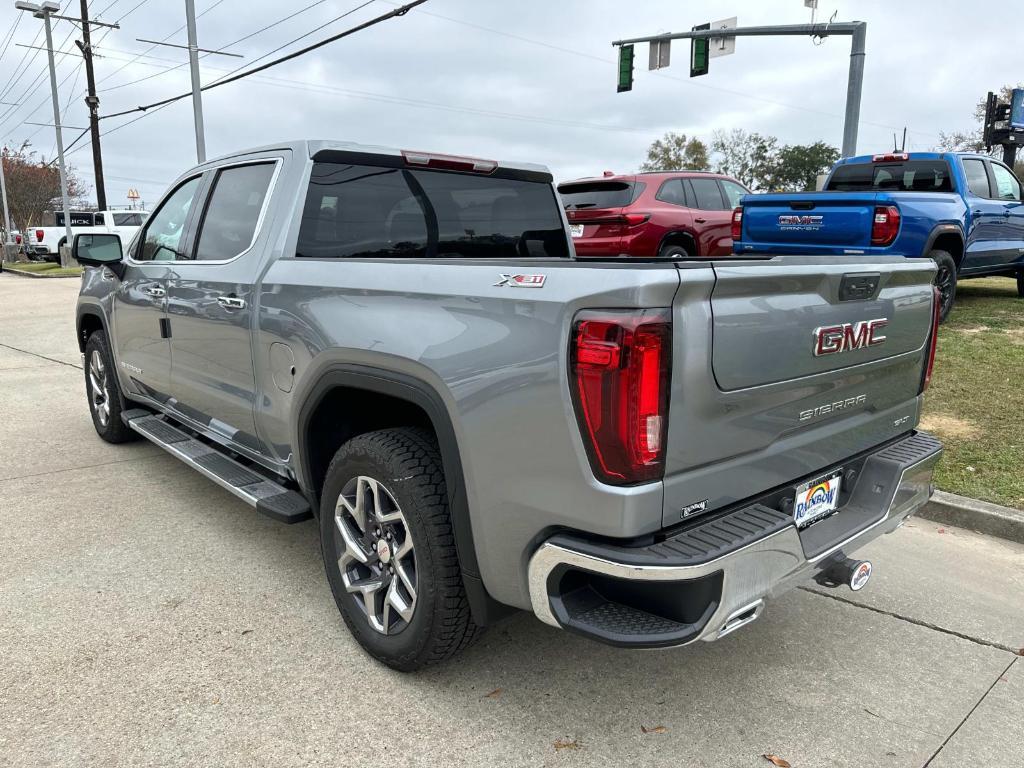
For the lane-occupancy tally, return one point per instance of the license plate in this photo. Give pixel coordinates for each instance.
(816, 499)
(576, 230)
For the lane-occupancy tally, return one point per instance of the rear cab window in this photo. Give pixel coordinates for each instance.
(599, 194)
(894, 176)
(369, 211)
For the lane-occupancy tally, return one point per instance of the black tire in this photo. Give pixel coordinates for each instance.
(406, 463)
(100, 372)
(945, 281)
(673, 252)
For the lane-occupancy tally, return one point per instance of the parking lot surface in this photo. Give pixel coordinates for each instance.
(150, 618)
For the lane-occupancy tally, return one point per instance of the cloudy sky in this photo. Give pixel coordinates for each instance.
(527, 80)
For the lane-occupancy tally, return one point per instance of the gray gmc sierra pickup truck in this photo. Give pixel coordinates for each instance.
(403, 346)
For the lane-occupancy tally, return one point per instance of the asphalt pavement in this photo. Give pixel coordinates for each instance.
(147, 617)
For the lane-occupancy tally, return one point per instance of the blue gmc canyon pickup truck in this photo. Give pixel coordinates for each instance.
(964, 211)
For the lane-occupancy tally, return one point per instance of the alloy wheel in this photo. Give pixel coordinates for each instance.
(378, 559)
(100, 395)
(944, 282)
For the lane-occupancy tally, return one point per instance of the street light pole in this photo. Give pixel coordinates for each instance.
(197, 94)
(43, 11)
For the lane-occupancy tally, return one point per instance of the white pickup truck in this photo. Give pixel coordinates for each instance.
(43, 243)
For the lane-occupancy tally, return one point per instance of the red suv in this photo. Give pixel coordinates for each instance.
(667, 214)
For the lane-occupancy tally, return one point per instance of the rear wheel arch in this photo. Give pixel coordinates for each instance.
(948, 238)
(684, 240)
(346, 400)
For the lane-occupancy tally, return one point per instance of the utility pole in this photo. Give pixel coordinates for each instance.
(856, 30)
(197, 94)
(45, 11)
(85, 45)
(7, 211)
(193, 60)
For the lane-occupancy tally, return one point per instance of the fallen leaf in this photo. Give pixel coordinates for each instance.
(942, 530)
(216, 699)
(655, 729)
(493, 694)
(1020, 652)
(567, 744)
(247, 631)
(776, 761)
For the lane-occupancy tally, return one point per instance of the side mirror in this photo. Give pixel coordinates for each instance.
(98, 250)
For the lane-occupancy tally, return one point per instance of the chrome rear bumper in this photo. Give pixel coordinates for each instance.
(756, 569)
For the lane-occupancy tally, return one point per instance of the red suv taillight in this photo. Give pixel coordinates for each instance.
(737, 223)
(39, 235)
(620, 364)
(885, 225)
(933, 339)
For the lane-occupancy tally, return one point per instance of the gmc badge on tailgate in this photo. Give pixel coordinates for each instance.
(833, 339)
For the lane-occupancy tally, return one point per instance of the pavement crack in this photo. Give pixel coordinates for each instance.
(144, 457)
(971, 712)
(917, 622)
(41, 357)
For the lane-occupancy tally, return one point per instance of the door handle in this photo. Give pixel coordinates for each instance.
(155, 291)
(231, 302)
(700, 220)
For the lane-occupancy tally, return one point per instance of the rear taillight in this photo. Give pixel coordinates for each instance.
(737, 223)
(17, 239)
(39, 235)
(886, 224)
(629, 219)
(634, 219)
(933, 339)
(620, 368)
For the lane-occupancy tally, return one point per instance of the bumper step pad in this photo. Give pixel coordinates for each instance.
(268, 497)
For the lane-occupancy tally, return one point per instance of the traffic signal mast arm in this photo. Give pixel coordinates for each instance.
(857, 30)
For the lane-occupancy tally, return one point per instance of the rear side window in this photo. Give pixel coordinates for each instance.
(361, 211)
(599, 194)
(977, 179)
(905, 176)
(672, 192)
(707, 195)
(733, 192)
(233, 212)
(127, 219)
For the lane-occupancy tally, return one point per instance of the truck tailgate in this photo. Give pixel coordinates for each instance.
(752, 404)
(809, 218)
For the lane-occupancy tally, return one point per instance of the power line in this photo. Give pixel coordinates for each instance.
(10, 35)
(221, 47)
(275, 62)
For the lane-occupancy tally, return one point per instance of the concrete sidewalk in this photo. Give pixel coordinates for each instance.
(151, 618)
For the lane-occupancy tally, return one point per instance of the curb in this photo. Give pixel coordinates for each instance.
(973, 514)
(8, 270)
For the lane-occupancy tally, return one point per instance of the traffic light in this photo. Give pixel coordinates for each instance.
(700, 49)
(625, 68)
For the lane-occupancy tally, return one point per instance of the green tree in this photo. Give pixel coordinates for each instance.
(748, 157)
(797, 166)
(676, 152)
(33, 186)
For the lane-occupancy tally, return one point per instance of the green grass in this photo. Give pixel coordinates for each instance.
(976, 400)
(44, 267)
